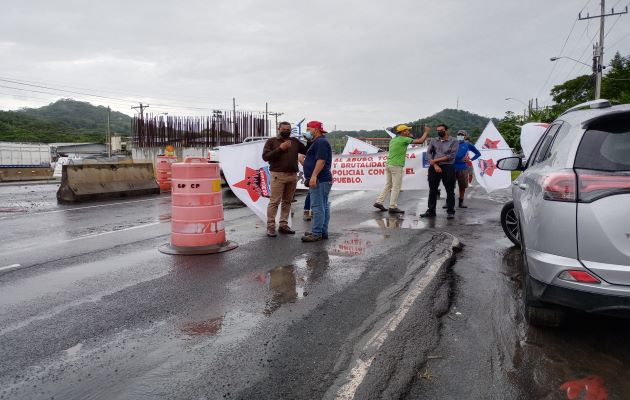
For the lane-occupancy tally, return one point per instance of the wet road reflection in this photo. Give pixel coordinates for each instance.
(288, 283)
(589, 358)
(210, 327)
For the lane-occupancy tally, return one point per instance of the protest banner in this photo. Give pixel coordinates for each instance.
(356, 147)
(249, 177)
(493, 147)
(530, 134)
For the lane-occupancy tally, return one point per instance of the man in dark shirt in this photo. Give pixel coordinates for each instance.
(317, 172)
(441, 154)
(281, 153)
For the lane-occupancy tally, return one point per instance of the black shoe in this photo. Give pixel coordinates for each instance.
(444, 206)
(427, 214)
(286, 230)
(396, 210)
(461, 203)
(324, 236)
(380, 206)
(311, 238)
(450, 215)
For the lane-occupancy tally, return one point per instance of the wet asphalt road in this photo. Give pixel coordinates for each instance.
(92, 310)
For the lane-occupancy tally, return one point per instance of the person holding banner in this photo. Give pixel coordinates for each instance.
(318, 175)
(281, 153)
(441, 154)
(395, 166)
(461, 163)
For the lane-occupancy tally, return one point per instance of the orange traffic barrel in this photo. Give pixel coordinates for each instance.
(163, 171)
(197, 225)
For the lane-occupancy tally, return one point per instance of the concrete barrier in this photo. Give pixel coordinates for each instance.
(15, 174)
(97, 181)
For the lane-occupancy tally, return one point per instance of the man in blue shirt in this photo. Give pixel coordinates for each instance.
(461, 167)
(318, 175)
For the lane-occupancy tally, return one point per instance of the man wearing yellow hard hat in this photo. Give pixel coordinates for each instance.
(395, 166)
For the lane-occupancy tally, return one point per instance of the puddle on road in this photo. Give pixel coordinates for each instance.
(353, 243)
(585, 359)
(412, 221)
(211, 327)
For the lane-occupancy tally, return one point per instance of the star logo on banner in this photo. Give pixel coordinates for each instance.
(256, 183)
(487, 167)
(357, 152)
(491, 144)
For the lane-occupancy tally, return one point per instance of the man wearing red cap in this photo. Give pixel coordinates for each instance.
(318, 175)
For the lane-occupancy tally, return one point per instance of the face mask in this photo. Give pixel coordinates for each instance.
(285, 134)
(308, 135)
(460, 138)
(442, 134)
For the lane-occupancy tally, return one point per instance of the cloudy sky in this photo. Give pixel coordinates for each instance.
(350, 64)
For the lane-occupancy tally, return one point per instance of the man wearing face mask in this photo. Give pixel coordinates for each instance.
(317, 171)
(281, 153)
(441, 154)
(461, 166)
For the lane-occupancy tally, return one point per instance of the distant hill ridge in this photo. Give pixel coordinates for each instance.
(65, 120)
(69, 120)
(454, 119)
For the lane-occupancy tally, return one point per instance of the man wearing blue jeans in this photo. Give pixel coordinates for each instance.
(317, 164)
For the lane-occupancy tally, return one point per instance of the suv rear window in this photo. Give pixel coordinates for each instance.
(606, 144)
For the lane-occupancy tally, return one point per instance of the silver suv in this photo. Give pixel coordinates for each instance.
(571, 215)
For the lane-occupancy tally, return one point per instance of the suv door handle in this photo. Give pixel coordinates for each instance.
(522, 186)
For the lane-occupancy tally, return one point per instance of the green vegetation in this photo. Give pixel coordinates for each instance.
(615, 87)
(63, 121)
(454, 119)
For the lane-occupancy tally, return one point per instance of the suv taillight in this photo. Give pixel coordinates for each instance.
(594, 185)
(560, 186)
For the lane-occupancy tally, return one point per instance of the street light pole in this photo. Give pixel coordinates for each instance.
(523, 103)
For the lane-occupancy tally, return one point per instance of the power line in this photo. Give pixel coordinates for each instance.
(553, 68)
(127, 100)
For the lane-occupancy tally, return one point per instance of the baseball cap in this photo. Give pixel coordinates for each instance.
(316, 125)
(402, 128)
(462, 132)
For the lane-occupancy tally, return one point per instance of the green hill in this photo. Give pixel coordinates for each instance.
(455, 119)
(65, 120)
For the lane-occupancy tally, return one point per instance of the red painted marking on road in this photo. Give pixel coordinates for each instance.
(592, 386)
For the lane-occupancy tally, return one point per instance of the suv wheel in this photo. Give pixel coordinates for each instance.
(537, 313)
(510, 224)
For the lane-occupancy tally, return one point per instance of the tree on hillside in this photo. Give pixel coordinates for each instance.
(572, 92)
(509, 127)
(616, 82)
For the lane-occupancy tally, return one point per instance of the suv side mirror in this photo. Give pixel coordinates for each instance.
(510, 164)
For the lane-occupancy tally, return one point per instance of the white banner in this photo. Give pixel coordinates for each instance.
(493, 147)
(367, 172)
(359, 147)
(249, 177)
(530, 133)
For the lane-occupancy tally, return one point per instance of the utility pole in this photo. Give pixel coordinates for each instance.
(109, 134)
(266, 119)
(598, 49)
(276, 114)
(141, 107)
(234, 115)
